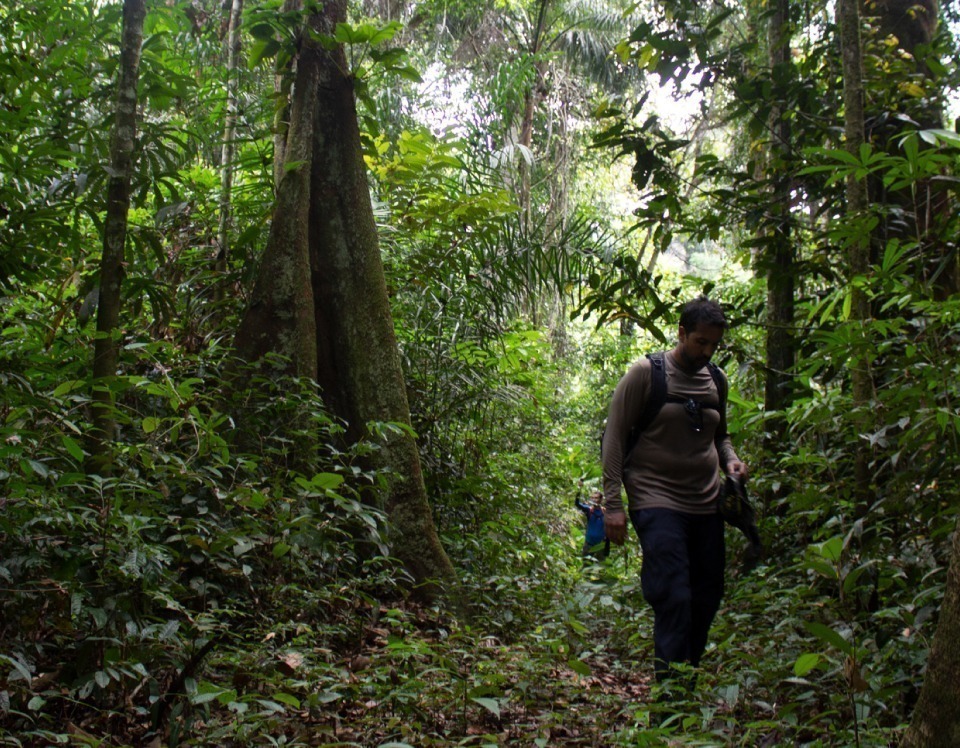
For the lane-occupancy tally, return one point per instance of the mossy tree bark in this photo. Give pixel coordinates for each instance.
(323, 261)
(858, 253)
(777, 258)
(280, 319)
(936, 718)
(359, 361)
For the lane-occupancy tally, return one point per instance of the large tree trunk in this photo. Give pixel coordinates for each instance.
(936, 719)
(858, 257)
(359, 363)
(321, 297)
(107, 346)
(280, 316)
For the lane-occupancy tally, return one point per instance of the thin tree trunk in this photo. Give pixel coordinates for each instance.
(936, 718)
(281, 87)
(531, 99)
(859, 252)
(779, 254)
(123, 141)
(359, 370)
(229, 136)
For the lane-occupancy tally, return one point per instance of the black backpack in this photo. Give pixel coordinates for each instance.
(658, 397)
(734, 505)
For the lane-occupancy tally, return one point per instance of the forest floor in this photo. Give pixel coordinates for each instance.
(401, 675)
(591, 686)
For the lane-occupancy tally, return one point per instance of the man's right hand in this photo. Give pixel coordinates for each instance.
(615, 524)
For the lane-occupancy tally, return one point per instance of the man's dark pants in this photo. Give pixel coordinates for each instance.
(682, 579)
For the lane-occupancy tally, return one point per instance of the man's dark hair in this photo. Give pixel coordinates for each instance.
(702, 311)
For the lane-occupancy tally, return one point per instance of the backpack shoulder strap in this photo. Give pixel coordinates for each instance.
(656, 399)
(721, 381)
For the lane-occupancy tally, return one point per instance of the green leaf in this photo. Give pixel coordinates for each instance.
(203, 698)
(281, 549)
(828, 635)
(66, 387)
(262, 50)
(36, 703)
(150, 424)
(822, 568)
(75, 450)
(288, 699)
(262, 31)
(491, 705)
(19, 667)
(832, 549)
(326, 481)
(271, 706)
(34, 466)
(409, 73)
(805, 663)
(579, 667)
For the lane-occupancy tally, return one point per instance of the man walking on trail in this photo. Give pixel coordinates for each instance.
(671, 474)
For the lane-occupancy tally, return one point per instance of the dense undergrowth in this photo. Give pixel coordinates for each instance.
(212, 593)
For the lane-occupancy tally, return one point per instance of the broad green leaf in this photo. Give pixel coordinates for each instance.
(326, 481)
(35, 467)
(579, 667)
(805, 663)
(66, 387)
(203, 698)
(262, 50)
(832, 549)
(491, 705)
(18, 666)
(75, 450)
(288, 699)
(281, 549)
(272, 706)
(828, 635)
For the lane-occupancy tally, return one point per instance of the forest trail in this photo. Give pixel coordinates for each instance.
(560, 705)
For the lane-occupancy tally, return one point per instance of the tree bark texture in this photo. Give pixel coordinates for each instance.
(321, 298)
(857, 205)
(778, 256)
(281, 124)
(122, 143)
(280, 318)
(936, 718)
(229, 134)
(359, 362)
(915, 213)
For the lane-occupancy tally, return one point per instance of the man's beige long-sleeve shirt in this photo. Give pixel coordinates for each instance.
(672, 465)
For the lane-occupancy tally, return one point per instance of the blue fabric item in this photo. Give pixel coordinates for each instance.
(595, 530)
(596, 533)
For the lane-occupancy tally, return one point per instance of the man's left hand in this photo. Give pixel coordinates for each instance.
(738, 470)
